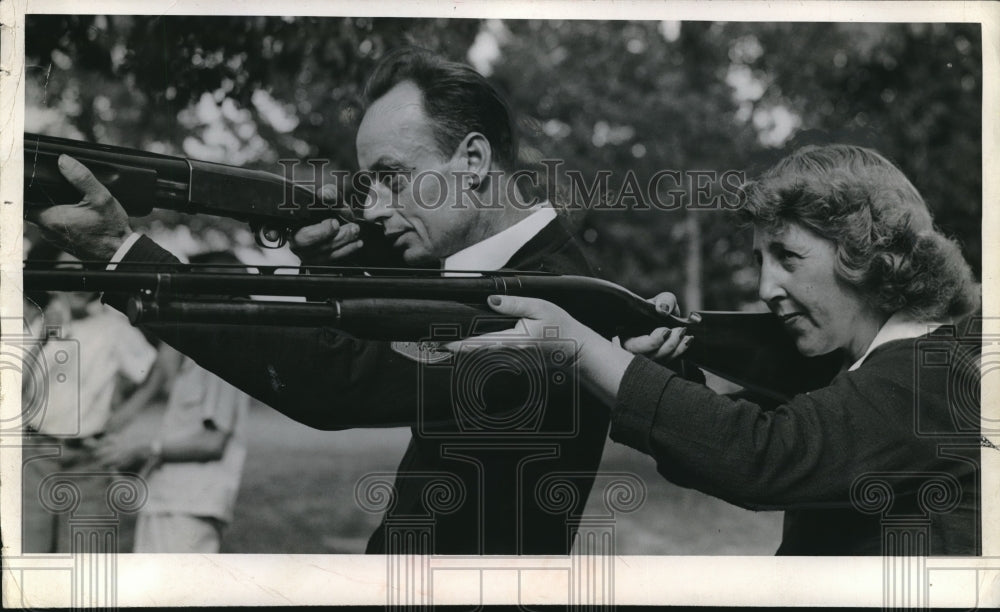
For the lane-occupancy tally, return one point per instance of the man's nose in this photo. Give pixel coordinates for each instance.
(376, 207)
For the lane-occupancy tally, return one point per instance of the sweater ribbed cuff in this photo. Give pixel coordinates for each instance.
(638, 398)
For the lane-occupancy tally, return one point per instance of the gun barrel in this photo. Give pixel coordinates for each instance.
(315, 286)
(367, 318)
(751, 349)
(589, 300)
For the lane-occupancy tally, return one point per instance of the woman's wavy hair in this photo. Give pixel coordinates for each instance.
(887, 245)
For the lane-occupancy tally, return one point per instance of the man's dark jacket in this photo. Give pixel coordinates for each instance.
(481, 475)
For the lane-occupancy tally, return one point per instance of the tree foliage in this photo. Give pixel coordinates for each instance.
(615, 97)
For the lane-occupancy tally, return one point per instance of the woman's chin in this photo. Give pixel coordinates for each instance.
(810, 349)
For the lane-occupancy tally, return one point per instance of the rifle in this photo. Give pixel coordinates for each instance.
(272, 205)
(750, 349)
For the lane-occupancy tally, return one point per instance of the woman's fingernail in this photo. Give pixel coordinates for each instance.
(495, 300)
(695, 317)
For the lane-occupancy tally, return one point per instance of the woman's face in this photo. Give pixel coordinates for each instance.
(798, 283)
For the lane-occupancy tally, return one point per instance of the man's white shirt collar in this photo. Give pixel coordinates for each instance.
(494, 252)
(898, 327)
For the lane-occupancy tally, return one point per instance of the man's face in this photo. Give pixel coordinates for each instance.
(413, 193)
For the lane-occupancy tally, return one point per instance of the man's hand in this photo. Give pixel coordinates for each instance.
(662, 343)
(95, 227)
(327, 241)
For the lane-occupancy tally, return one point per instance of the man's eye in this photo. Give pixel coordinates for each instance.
(394, 180)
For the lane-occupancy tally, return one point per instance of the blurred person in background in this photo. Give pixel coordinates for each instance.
(65, 420)
(851, 262)
(193, 462)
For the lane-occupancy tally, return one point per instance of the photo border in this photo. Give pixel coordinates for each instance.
(234, 579)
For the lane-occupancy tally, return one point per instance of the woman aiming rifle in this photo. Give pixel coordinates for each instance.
(850, 261)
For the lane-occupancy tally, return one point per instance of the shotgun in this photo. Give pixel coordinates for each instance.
(749, 349)
(274, 206)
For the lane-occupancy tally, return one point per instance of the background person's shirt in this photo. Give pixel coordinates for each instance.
(102, 346)
(199, 400)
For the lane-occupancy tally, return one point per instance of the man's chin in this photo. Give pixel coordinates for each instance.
(419, 258)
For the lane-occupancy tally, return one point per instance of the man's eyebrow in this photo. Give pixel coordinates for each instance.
(387, 164)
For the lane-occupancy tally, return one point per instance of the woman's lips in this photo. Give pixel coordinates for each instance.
(791, 318)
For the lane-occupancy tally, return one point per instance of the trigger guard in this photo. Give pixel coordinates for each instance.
(260, 237)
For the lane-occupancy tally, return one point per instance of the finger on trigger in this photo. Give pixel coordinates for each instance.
(311, 234)
(347, 249)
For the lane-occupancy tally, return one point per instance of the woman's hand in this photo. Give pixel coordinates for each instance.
(539, 320)
(663, 343)
(599, 363)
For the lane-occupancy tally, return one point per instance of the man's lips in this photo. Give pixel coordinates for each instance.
(396, 236)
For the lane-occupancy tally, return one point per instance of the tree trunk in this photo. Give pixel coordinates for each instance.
(692, 265)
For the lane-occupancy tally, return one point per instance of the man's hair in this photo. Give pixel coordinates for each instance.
(887, 245)
(456, 98)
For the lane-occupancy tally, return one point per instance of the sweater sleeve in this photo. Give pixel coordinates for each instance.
(805, 453)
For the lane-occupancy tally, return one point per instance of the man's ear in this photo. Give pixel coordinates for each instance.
(477, 155)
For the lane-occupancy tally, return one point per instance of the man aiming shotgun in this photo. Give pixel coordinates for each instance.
(491, 443)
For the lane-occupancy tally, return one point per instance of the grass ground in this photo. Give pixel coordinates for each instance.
(297, 496)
